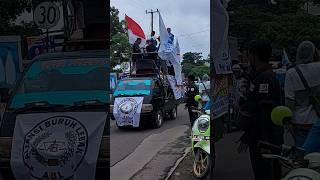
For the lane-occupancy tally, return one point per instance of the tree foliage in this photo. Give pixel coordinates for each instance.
(284, 24)
(120, 49)
(194, 64)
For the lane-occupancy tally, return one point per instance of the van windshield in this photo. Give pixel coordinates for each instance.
(133, 87)
(63, 81)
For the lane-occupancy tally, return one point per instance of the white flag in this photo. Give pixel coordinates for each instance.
(127, 110)
(168, 52)
(221, 52)
(164, 35)
(177, 47)
(57, 145)
(177, 90)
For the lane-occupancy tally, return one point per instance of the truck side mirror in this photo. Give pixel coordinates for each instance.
(4, 95)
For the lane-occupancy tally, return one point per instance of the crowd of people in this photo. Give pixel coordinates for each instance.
(265, 92)
(261, 90)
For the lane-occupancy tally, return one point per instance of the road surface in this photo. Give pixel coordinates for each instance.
(230, 164)
(148, 153)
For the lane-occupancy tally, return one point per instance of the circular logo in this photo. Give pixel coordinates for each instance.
(128, 107)
(55, 148)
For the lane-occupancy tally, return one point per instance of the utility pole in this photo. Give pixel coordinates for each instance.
(152, 12)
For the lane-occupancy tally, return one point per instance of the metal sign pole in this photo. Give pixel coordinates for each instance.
(47, 40)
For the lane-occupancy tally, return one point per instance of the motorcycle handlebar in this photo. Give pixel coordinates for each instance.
(266, 145)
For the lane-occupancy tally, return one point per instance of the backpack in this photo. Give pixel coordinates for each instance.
(314, 98)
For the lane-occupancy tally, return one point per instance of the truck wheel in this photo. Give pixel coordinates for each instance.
(157, 119)
(174, 113)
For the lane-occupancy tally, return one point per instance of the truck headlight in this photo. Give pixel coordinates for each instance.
(203, 124)
(147, 107)
(110, 108)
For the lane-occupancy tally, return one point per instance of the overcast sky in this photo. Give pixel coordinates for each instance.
(188, 19)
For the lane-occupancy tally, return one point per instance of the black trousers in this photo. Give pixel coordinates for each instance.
(192, 116)
(263, 169)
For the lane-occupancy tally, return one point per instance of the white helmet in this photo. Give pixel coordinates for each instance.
(314, 160)
(302, 174)
(236, 67)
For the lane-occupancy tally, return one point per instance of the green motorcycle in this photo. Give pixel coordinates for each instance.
(200, 139)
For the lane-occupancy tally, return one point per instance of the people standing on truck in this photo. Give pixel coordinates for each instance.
(151, 50)
(153, 39)
(136, 52)
(297, 95)
(171, 36)
(191, 104)
(263, 97)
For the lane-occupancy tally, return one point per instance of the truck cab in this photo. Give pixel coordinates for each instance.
(159, 102)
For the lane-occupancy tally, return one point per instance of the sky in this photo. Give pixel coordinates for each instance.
(188, 19)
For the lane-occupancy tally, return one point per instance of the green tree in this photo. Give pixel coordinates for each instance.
(194, 64)
(284, 24)
(120, 49)
(192, 57)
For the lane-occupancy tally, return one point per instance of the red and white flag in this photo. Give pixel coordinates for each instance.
(135, 31)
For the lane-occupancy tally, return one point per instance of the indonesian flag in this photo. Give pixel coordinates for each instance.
(135, 31)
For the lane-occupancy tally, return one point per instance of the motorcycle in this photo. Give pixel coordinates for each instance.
(295, 164)
(200, 141)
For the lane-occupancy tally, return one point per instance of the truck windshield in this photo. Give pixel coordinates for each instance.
(63, 82)
(133, 87)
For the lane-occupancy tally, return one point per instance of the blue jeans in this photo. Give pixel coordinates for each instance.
(312, 143)
(299, 136)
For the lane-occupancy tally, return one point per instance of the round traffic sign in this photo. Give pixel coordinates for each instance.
(46, 15)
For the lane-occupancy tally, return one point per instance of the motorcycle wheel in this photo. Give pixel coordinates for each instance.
(201, 164)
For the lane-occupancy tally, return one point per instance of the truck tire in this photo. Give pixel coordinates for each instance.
(174, 113)
(157, 119)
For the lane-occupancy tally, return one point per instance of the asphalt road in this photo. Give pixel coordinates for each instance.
(131, 150)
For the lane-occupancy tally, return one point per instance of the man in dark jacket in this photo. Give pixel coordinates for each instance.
(151, 50)
(192, 91)
(136, 51)
(264, 95)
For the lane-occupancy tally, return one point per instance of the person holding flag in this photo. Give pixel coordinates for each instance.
(136, 51)
(171, 36)
(136, 37)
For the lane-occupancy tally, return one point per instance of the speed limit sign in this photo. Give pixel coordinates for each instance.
(46, 15)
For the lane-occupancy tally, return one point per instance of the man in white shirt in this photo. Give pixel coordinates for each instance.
(204, 88)
(296, 95)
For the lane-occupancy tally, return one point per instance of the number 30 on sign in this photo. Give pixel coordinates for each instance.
(46, 15)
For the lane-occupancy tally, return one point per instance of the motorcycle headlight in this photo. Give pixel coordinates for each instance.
(203, 124)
